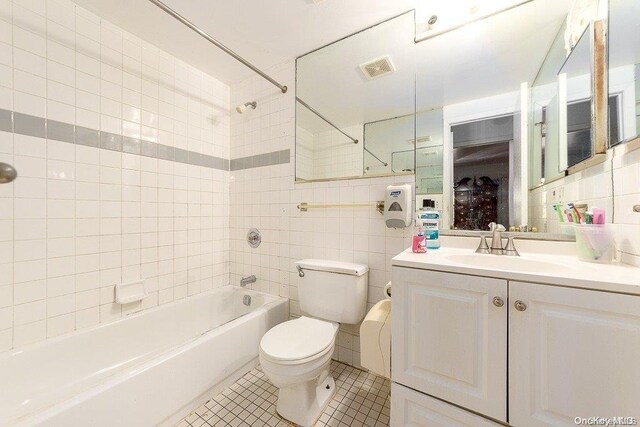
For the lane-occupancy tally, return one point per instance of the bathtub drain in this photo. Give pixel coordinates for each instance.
(246, 300)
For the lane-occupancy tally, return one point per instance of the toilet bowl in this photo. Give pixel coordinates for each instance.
(296, 355)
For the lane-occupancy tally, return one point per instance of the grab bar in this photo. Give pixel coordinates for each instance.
(304, 206)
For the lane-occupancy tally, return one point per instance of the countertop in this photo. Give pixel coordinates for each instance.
(570, 271)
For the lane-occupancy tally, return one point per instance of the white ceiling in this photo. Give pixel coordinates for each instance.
(265, 33)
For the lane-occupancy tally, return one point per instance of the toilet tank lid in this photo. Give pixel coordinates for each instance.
(333, 266)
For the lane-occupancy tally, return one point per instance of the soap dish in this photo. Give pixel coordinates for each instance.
(127, 293)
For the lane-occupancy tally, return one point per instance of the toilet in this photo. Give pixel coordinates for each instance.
(296, 355)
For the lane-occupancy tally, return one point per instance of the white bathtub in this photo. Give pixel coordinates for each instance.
(142, 370)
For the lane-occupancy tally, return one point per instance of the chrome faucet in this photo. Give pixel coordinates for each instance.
(496, 243)
(247, 280)
(496, 238)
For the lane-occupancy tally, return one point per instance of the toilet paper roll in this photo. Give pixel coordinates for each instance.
(387, 291)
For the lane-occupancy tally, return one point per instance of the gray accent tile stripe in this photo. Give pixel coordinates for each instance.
(88, 137)
(60, 131)
(26, 124)
(148, 149)
(266, 159)
(131, 145)
(110, 141)
(6, 121)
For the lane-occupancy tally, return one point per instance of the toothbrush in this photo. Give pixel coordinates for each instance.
(569, 216)
(558, 212)
(572, 207)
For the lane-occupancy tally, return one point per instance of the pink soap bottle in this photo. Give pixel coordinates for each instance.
(418, 243)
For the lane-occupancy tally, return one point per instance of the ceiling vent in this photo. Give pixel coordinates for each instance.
(377, 68)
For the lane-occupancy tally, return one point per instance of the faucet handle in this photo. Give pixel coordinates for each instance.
(483, 248)
(510, 248)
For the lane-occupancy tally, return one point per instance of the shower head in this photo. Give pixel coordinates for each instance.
(242, 107)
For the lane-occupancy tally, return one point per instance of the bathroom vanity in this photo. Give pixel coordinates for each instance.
(540, 339)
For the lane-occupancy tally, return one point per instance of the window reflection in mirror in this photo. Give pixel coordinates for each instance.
(482, 165)
(624, 70)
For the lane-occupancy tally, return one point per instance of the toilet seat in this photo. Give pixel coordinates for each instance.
(298, 341)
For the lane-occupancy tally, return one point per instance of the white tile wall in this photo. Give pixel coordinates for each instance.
(266, 198)
(304, 154)
(335, 155)
(80, 219)
(596, 186)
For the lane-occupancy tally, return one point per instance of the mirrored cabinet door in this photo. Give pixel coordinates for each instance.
(624, 70)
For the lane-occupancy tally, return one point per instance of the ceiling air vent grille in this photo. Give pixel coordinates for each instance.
(377, 68)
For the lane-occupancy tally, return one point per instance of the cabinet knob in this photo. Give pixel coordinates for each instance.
(520, 306)
(498, 302)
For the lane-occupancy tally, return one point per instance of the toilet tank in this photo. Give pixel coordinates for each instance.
(333, 290)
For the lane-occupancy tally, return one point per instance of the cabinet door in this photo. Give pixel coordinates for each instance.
(411, 408)
(572, 353)
(449, 339)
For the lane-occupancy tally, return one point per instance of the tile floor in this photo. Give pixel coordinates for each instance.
(361, 399)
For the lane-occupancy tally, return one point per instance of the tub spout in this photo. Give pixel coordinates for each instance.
(247, 280)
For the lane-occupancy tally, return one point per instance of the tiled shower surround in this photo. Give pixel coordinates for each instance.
(126, 179)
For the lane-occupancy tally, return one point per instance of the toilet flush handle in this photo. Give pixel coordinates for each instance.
(300, 271)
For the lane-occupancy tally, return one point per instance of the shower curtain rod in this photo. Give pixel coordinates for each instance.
(375, 157)
(355, 141)
(310, 108)
(225, 49)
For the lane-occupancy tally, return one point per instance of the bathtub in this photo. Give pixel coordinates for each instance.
(146, 369)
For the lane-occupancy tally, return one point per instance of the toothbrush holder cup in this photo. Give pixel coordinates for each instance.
(595, 243)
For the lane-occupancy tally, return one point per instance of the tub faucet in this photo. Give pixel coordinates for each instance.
(247, 280)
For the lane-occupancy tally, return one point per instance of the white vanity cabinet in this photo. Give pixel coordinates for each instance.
(415, 409)
(449, 338)
(569, 353)
(572, 353)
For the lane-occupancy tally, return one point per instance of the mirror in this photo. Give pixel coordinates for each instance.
(356, 103)
(475, 163)
(544, 116)
(624, 70)
(484, 115)
(575, 97)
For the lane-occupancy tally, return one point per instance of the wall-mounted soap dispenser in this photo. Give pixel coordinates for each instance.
(397, 206)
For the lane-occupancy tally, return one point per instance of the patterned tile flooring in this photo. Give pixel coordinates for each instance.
(361, 400)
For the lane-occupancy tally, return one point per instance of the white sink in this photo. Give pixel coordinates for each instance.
(517, 264)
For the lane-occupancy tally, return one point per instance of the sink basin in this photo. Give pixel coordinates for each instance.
(501, 262)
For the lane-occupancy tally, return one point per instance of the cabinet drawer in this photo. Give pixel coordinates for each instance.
(411, 408)
(449, 338)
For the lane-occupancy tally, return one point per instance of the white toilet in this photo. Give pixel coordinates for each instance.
(296, 355)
